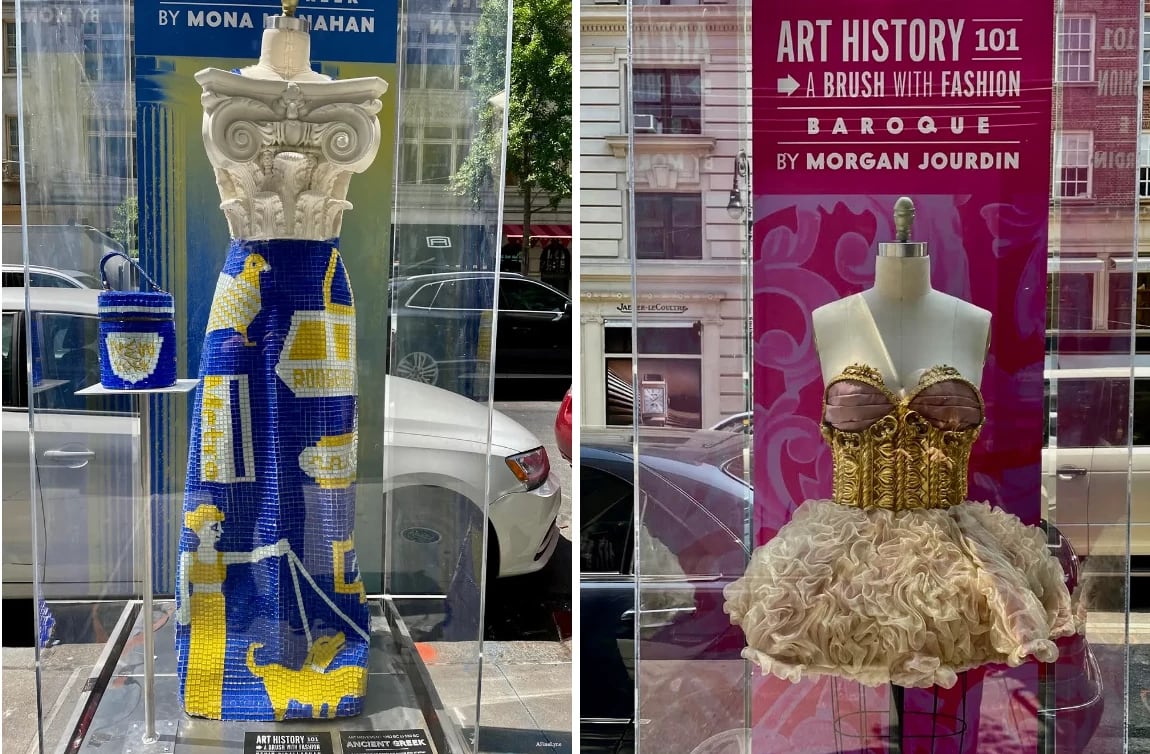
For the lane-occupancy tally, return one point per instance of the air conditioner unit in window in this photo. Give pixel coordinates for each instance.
(644, 124)
(11, 171)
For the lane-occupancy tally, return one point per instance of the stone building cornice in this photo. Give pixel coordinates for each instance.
(717, 17)
(692, 144)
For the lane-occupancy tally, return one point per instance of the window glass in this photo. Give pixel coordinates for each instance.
(12, 138)
(1141, 417)
(1070, 303)
(1144, 162)
(424, 296)
(436, 163)
(606, 510)
(525, 296)
(1076, 49)
(15, 384)
(466, 293)
(9, 47)
(669, 226)
(1091, 413)
(670, 340)
(1072, 162)
(69, 360)
(47, 280)
(673, 99)
(1121, 298)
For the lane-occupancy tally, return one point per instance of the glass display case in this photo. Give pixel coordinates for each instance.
(322, 504)
(765, 511)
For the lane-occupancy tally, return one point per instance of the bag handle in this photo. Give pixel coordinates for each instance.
(133, 262)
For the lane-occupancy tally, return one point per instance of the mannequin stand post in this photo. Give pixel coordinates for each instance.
(895, 725)
(143, 402)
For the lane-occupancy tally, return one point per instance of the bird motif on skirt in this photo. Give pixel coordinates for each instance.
(237, 299)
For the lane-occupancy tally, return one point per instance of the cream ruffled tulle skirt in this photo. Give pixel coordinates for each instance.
(909, 597)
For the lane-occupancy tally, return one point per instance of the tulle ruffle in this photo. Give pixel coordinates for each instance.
(909, 597)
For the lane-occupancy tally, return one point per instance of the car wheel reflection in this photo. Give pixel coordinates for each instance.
(418, 366)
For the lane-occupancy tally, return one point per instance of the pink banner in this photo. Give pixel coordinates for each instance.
(855, 105)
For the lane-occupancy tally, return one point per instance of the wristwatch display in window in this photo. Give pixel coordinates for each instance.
(653, 400)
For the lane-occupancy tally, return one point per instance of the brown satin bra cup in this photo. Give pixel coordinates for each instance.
(950, 404)
(901, 453)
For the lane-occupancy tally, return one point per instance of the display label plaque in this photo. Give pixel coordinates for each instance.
(412, 741)
(287, 743)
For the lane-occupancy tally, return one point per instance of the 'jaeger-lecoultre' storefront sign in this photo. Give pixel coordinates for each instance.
(654, 308)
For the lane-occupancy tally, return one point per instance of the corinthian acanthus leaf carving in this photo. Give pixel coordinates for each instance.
(274, 142)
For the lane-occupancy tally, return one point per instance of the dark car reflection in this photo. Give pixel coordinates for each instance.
(693, 534)
(443, 328)
(692, 542)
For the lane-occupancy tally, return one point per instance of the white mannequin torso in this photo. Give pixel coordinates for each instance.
(902, 327)
(285, 55)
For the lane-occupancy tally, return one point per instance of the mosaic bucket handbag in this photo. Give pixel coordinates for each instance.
(137, 335)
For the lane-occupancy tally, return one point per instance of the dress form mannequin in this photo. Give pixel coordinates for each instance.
(272, 620)
(898, 578)
(285, 50)
(901, 325)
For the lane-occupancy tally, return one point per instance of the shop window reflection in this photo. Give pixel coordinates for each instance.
(1121, 299)
(1070, 301)
(670, 369)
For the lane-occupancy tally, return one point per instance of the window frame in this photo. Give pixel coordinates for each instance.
(667, 106)
(18, 377)
(1144, 166)
(1146, 49)
(12, 152)
(1059, 164)
(102, 33)
(669, 198)
(1061, 67)
(414, 137)
(11, 46)
(101, 157)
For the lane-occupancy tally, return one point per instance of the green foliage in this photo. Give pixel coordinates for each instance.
(538, 102)
(126, 226)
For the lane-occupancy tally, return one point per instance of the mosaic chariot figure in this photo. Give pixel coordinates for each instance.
(272, 619)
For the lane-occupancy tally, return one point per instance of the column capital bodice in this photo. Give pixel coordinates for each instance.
(284, 151)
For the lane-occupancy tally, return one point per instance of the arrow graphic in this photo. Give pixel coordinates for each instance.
(788, 85)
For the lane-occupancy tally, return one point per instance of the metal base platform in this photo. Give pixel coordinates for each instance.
(401, 702)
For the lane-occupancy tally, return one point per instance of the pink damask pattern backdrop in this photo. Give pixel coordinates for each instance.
(843, 126)
(811, 250)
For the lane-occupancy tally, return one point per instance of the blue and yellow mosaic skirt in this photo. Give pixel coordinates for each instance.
(271, 617)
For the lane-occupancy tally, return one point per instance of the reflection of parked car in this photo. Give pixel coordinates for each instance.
(735, 423)
(563, 426)
(443, 327)
(1087, 454)
(436, 461)
(47, 277)
(692, 545)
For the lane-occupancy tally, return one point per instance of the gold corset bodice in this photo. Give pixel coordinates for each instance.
(901, 453)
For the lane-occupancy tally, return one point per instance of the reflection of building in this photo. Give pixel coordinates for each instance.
(1101, 180)
(437, 230)
(689, 113)
(82, 164)
(79, 165)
